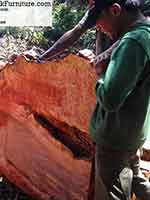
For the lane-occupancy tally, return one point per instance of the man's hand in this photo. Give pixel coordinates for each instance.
(33, 55)
(12, 58)
(99, 66)
(30, 55)
(87, 54)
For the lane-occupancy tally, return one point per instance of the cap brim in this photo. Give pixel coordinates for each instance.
(94, 14)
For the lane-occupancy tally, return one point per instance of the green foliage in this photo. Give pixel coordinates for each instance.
(39, 38)
(88, 40)
(65, 17)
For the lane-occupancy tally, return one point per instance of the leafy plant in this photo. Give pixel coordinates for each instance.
(39, 38)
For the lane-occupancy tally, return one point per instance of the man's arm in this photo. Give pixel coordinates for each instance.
(64, 42)
(123, 72)
(87, 22)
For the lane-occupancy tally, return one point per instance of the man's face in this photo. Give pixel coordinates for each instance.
(108, 20)
(104, 23)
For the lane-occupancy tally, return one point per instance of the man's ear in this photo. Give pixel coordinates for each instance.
(115, 9)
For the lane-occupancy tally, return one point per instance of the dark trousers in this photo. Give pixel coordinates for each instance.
(117, 175)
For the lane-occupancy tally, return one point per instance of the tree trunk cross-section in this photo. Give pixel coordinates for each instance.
(45, 111)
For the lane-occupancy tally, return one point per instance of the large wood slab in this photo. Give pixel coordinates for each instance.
(45, 110)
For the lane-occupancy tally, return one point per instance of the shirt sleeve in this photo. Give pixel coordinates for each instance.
(123, 72)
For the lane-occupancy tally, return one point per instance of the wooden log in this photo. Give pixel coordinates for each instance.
(45, 111)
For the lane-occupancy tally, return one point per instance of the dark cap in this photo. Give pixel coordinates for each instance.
(92, 15)
(97, 8)
(101, 4)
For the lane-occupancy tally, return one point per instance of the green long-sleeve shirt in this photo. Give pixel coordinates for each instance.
(121, 115)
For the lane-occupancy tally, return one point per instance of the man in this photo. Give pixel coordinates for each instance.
(123, 93)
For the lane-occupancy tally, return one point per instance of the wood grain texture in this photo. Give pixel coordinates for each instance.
(45, 110)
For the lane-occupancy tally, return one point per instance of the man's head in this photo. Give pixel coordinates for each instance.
(114, 15)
